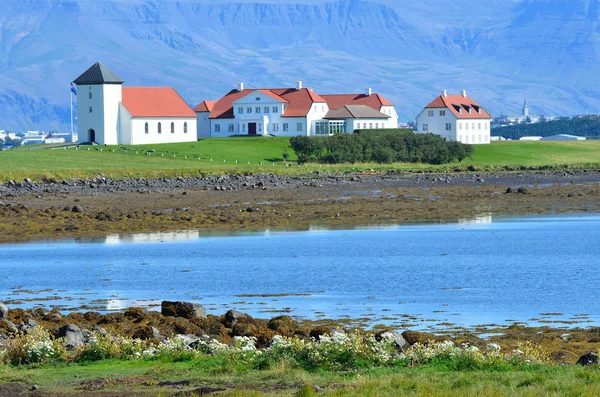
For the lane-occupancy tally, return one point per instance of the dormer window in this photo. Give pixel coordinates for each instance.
(470, 109)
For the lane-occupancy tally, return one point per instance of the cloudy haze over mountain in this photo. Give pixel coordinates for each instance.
(500, 51)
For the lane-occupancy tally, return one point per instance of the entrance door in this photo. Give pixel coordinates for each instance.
(92, 136)
(251, 128)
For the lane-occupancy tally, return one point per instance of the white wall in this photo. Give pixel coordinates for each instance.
(139, 136)
(112, 97)
(94, 120)
(473, 131)
(437, 123)
(125, 121)
(203, 130)
(390, 111)
(316, 113)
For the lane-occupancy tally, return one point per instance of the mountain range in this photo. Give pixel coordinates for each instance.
(500, 51)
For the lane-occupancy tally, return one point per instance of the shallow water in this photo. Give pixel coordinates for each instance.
(534, 270)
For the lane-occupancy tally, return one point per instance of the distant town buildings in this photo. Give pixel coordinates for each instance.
(563, 137)
(457, 118)
(525, 117)
(293, 111)
(111, 114)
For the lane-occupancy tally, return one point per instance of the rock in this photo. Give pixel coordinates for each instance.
(3, 311)
(510, 190)
(190, 341)
(99, 330)
(413, 337)
(396, 338)
(73, 336)
(232, 317)
(244, 330)
(77, 209)
(523, 190)
(282, 324)
(10, 326)
(34, 388)
(147, 332)
(182, 309)
(590, 358)
(317, 332)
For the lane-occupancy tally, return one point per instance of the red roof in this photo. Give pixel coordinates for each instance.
(374, 101)
(206, 106)
(459, 105)
(155, 102)
(300, 101)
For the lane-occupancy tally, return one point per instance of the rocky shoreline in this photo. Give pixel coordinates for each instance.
(190, 322)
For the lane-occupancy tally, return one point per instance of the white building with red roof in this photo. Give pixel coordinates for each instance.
(292, 111)
(457, 118)
(111, 114)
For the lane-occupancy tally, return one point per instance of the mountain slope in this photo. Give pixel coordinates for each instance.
(501, 52)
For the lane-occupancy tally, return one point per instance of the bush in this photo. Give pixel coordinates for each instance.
(380, 146)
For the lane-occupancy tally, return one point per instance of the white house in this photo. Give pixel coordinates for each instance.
(456, 118)
(111, 114)
(292, 111)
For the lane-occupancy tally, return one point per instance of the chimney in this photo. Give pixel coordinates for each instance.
(464, 93)
(240, 87)
(444, 93)
(298, 86)
(369, 92)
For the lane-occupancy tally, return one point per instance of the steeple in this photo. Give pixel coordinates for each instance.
(98, 74)
(525, 108)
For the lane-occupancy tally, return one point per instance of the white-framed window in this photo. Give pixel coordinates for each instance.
(430, 113)
(260, 127)
(467, 126)
(285, 126)
(479, 126)
(241, 110)
(473, 125)
(257, 109)
(460, 127)
(275, 109)
(172, 128)
(159, 128)
(146, 128)
(275, 126)
(448, 126)
(425, 127)
(442, 112)
(185, 127)
(370, 126)
(249, 109)
(243, 127)
(91, 109)
(376, 126)
(299, 127)
(267, 108)
(90, 94)
(217, 127)
(230, 128)
(467, 139)
(460, 138)
(364, 126)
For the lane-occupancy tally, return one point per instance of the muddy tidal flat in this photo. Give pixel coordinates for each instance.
(54, 210)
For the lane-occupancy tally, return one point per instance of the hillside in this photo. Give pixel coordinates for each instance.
(408, 52)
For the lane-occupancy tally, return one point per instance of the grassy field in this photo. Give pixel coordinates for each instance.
(166, 378)
(218, 156)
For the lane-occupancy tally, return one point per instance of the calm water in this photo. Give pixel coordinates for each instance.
(473, 273)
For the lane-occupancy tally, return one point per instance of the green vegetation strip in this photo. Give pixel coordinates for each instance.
(59, 163)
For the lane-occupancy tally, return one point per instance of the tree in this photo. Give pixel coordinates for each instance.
(285, 155)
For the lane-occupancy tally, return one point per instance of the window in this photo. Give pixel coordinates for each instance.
(217, 127)
(430, 113)
(460, 138)
(243, 127)
(90, 109)
(90, 94)
(322, 128)
(257, 109)
(146, 128)
(473, 125)
(260, 127)
(425, 127)
(299, 127)
(275, 126)
(230, 128)
(267, 109)
(479, 126)
(442, 112)
(172, 128)
(240, 110)
(185, 128)
(467, 138)
(315, 108)
(285, 126)
(467, 126)
(364, 126)
(377, 126)
(275, 109)
(159, 128)
(448, 126)
(249, 109)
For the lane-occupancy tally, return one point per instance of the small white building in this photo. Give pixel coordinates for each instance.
(563, 137)
(292, 111)
(456, 118)
(111, 114)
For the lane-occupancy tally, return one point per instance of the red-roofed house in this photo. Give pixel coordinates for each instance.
(115, 115)
(292, 111)
(457, 118)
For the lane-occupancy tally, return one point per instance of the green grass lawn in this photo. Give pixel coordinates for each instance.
(153, 376)
(61, 164)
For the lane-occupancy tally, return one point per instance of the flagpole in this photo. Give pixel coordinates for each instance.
(71, 114)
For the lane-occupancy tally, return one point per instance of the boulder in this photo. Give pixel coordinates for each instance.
(413, 337)
(244, 330)
(73, 336)
(510, 190)
(3, 311)
(190, 341)
(396, 338)
(147, 332)
(77, 209)
(232, 317)
(317, 332)
(182, 309)
(9, 326)
(590, 358)
(523, 190)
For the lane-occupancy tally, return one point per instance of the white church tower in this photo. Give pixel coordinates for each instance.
(525, 109)
(99, 95)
